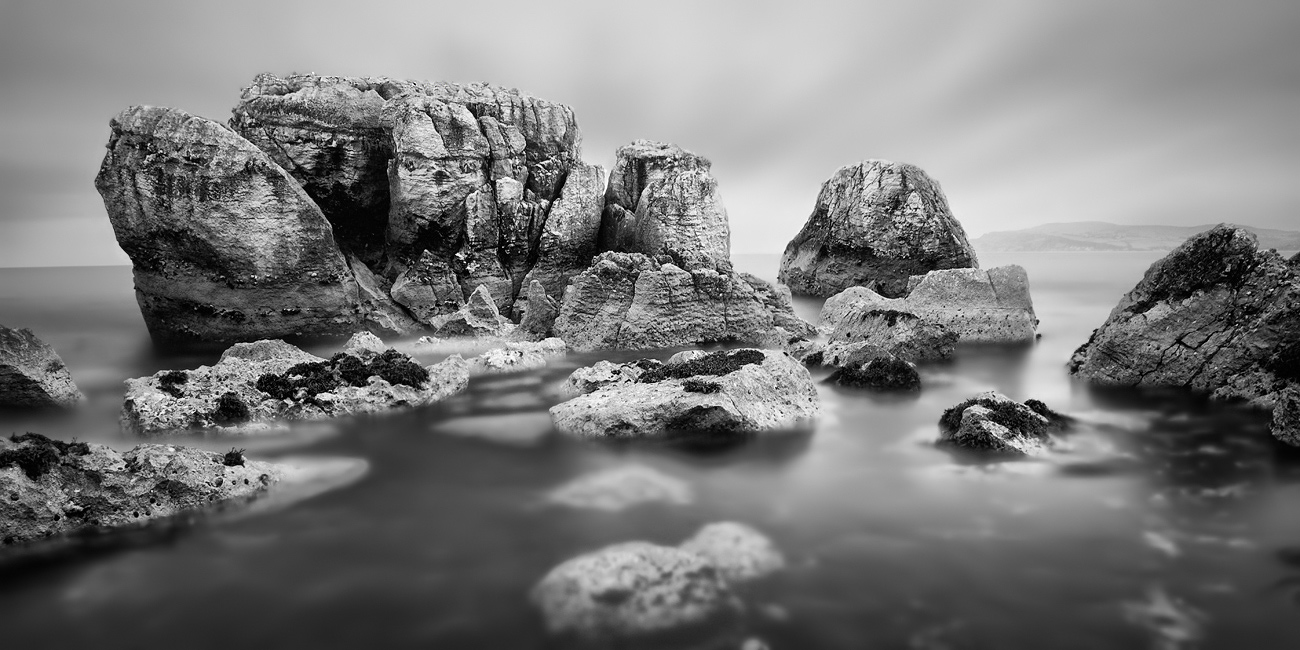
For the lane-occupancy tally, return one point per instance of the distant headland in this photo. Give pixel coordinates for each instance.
(1103, 236)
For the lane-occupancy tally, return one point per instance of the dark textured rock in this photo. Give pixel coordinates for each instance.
(992, 422)
(1286, 417)
(875, 369)
(875, 224)
(630, 301)
(429, 288)
(539, 311)
(1216, 315)
(568, 239)
(31, 373)
(224, 244)
(662, 200)
(902, 333)
(477, 317)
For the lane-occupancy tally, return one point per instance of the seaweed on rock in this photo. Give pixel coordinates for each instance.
(717, 364)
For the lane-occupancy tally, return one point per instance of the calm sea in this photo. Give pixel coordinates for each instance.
(1166, 524)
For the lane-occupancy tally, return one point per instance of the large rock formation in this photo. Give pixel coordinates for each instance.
(662, 200)
(725, 393)
(225, 245)
(31, 373)
(631, 301)
(875, 224)
(1216, 315)
(977, 306)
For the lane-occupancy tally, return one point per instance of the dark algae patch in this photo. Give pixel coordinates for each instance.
(714, 364)
(38, 454)
(233, 458)
(230, 410)
(701, 386)
(1016, 417)
(881, 373)
(171, 381)
(307, 380)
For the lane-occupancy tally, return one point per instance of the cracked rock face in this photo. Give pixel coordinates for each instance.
(725, 393)
(224, 244)
(631, 301)
(875, 224)
(31, 373)
(1215, 315)
(975, 305)
(662, 200)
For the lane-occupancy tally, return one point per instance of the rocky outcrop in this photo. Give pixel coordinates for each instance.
(620, 488)
(904, 334)
(255, 384)
(1286, 417)
(31, 373)
(56, 488)
(539, 311)
(725, 393)
(873, 368)
(994, 423)
(875, 224)
(975, 305)
(225, 245)
(1216, 315)
(569, 237)
(592, 378)
(662, 200)
(630, 301)
(477, 317)
(740, 552)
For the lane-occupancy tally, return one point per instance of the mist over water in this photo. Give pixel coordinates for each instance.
(1164, 522)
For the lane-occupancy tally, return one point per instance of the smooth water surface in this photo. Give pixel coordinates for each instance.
(1166, 523)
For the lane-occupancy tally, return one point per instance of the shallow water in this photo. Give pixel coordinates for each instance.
(1165, 524)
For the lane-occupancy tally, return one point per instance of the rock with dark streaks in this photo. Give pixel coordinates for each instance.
(994, 423)
(875, 224)
(31, 373)
(568, 239)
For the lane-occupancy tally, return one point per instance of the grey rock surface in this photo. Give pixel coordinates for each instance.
(539, 311)
(902, 333)
(873, 368)
(739, 551)
(604, 373)
(875, 224)
(729, 393)
(31, 373)
(994, 423)
(1286, 417)
(224, 244)
(477, 317)
(517, 356)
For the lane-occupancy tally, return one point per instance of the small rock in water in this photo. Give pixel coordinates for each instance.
(619, 488)
(992, 422)
(517, 356)
(1173, 624)
(31, 374)
(739, 551)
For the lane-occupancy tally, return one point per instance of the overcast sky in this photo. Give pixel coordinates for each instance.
(1026, 112)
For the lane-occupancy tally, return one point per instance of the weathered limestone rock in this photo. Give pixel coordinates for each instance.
(477, 317)
(875, 224)
(379, 310)
(54, 488)
(731, 393)
(31, 373)
(429, 288)
(739, 551)
(637, 593)
(631, 301)
(517, 356)
(224, 244)
(327, 133)
(978, 306)
(619, 488)
(992, 422)
(254, 384)
(591, 378)
(1216, 315)
(902, 333)
(662, 200)
(539, 311)
(569, 237)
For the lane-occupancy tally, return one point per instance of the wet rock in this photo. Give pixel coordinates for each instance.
(662, 200)
(875, 368)
(1216, 315)
(224, 244)
(630, 301)
(477, 317)
(875, 224)
(725, 393)
(539, 311)
(31, 373)
(620, 488)
(254, 384)
(978, 306)
(740, 552)
(591, 378)
(1286, 417)
(992, 422)
(57, 488)
(518, 356)
(903, 334)
(637, 593)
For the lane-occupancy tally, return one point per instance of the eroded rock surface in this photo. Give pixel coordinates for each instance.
(518, 356)
(31, 373)
(630, 301)
(1216, 315)
(875, 224)
(994, 423)
(727, 393)
(902, 333)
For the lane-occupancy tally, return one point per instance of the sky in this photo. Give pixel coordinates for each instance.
(1159, 112)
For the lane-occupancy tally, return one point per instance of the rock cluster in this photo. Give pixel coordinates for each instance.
(31, 373)
(1216, 315)
(875, 224)
(254, 384)
(723, 394)
(56, 488)
(994, 423)
(639, 594)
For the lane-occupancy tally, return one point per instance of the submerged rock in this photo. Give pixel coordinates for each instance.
(1216, 315)
(630, 301)
(875, 224)
(57, 488)
(662, 200)
(739, 551)
(254, 384)
(518, 356)
(638, 593)
(224, 244)
(992, 422)
(31, 373)
(620, 488)
(725, 393)
(977, 306)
